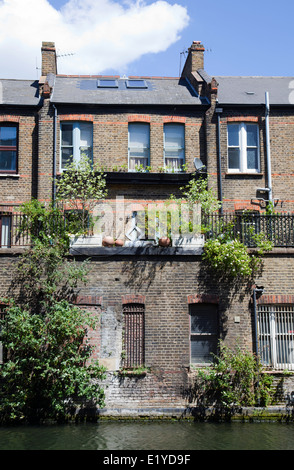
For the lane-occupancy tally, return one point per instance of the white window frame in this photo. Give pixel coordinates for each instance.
(5, 230)
(144, 161)
(76, 141)
(180, 150)
(243, 168)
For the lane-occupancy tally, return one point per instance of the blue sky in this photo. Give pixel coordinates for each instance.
(147, 37)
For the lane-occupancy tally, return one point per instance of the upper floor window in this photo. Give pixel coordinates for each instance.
(174, 146)
(243, 148)
(76, 140)
(139, 146)
(8, 148)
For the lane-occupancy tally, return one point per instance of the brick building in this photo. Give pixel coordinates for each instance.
(160, 307)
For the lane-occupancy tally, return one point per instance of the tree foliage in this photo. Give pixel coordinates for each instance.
(79, 189)
(48, 369)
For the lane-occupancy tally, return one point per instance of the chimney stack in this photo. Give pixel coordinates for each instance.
(49, 63)
(195, 59)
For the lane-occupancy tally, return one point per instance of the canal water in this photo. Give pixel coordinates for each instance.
(150, 436)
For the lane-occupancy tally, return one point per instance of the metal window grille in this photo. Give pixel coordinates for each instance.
(276, 335)
(134, 333)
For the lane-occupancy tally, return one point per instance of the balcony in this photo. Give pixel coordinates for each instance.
(278, 228)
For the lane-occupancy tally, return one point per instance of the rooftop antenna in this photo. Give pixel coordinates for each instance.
(183, 53)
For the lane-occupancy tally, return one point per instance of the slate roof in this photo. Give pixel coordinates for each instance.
(19, 92)
(251, 90)
(159, 91)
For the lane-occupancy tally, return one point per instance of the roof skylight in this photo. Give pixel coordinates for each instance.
(136, 83)
(107, 83)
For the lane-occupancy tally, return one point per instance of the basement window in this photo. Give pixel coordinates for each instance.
(134, 335)
(204, 332)
(276, 336)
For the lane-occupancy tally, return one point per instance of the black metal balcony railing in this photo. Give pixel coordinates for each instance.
(278, 228)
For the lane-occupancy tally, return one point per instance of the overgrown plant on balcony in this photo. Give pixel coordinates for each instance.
(79, 189)
(227, 256)
(48, 372)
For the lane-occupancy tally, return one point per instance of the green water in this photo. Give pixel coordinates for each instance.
(116, 436)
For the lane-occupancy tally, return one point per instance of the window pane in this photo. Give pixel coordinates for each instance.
(67, 137)
(85, 134)
(66, 156)
(139, 136)
(234, 158)
(7, 160)
(233, 135)
(174, 163)
(252, 159)
(174, 136)
(8, 136)
(204, 332)
(204, 319)
(203, 348)
(252, 135)
(139, 145)
(174, 146)
(5, 231)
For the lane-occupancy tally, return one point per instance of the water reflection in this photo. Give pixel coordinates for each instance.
(108, 435)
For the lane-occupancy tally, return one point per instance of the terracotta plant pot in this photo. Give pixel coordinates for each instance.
(107, 241)
(164, 241)
(119, 243)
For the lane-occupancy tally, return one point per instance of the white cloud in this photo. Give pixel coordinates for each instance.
(101, 34)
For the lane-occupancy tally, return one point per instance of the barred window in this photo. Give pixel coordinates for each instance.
(276, 335)
(134, 332)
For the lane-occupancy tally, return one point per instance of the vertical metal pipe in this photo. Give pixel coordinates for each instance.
(268, 148)
(54, 154)
(219, 160)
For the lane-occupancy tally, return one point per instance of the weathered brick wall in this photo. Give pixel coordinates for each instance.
(110, 133)
(168, 284)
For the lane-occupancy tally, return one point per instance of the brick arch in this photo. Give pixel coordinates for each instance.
(203, 298)
(77, 117)
(133, 299)
(174, 119)
(139, 118)
(7, 118)
(276, 299)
